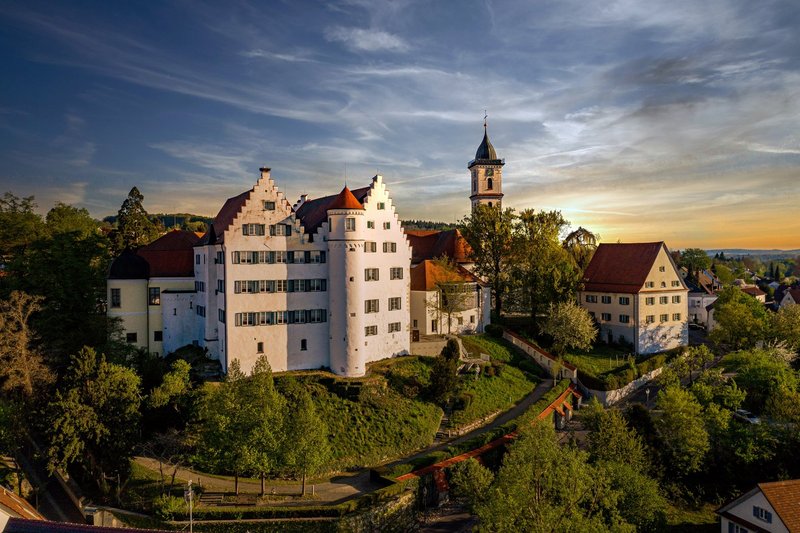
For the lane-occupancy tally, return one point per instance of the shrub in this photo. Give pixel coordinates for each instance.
(488, 370)
(167, 507)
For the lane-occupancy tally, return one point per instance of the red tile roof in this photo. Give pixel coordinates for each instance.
(229, 210)
(621, 267)
(754, 291)
(314, 212)
(345, 200)
(426, 275)
(17, 505)
(171, 255)
(784, 497)
(427, 244)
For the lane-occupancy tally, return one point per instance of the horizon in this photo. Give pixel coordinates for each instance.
(673, 122)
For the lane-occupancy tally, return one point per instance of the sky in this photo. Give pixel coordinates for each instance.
(641, 120)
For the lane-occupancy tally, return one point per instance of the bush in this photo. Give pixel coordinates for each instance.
(168, 507)
(494, 330)
(488, 370)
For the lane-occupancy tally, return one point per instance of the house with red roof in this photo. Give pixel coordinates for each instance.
(636, 295)
(432, 283)
(142, 284)
(767, 507)
(791, 296)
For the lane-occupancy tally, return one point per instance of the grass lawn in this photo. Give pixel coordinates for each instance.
(145, 485)
(381, 425)
(599, 360)
(691, 520)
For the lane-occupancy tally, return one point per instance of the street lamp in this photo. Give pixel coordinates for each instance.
(647, 392)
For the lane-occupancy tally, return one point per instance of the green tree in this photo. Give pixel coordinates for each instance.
(785, 326)
(307, 450)
(759, 373)
(684, 439)
(94, 419)
(529, 494)
(741, 319)
(614, 441)
(695, 260)
(64, 218)
(22, 368)
(174, 389)
(267, 408)
(543, 270)
(581, 245)
(570, 326)
(638, 498)
(444, 374)
(19, 225)
(134, 227)
(724, 274)
(471, 480)
(489, 232)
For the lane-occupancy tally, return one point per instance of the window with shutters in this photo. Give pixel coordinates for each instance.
(650, 300)
(371, 306)
(762, 514)
(591, 298)
(371, 274)
(394, 327)
(676, 299)
(253, 229)
(389, 247)
(269, 205)
(350, 224)
(650, 319)
(370, 224)
(605, 316)
(394, 304)
(116, 297)
(370, 331)
(396, 273)
(624, 319)
(624, 300)
(663, 299)
(606, 299)
(370, 247)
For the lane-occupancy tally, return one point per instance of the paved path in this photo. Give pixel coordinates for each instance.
(345, 486)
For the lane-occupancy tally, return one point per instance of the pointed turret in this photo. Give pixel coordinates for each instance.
(345, 200)
(486, 173)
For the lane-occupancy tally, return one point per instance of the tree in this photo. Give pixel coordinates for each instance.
(759, 373)
(489, 232)
(470, 480)
(22, 368)
(19, 225)
(684, 439)
(134, 228)
(724, 274)
(697, 357)
(63, 218)
(529, 494)
(741, 319)
(785, 326)
(581, 245)
(267, 409)
(543, 270)
(570, 326)
(695, 260)
(94, 419)
(454, 293)
(307, 449)
(444, 375)
(613, 441)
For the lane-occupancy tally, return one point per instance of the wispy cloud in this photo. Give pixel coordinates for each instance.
(366, 40)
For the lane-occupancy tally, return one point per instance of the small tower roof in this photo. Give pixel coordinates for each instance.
(345, 200)
(485, 150)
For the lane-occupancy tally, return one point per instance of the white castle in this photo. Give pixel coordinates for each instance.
(323, 283)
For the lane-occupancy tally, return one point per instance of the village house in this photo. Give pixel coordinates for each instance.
(637, 296)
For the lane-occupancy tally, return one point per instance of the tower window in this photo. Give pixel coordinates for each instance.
(489, 183)
(260, 347)
(303, 345)
(490, 204)
(350, 224)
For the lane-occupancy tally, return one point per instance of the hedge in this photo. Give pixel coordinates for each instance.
(623, 375)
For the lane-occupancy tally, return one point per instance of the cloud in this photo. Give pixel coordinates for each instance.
(264, 54)
(366, 40)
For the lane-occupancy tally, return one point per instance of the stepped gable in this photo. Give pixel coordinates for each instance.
(225, 217)
(426, 244)
(314, 212)
(171, 255)
(621, 267)
(427, 275)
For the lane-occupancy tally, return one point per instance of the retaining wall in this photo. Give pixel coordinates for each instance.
(544, 359)
(610, 397)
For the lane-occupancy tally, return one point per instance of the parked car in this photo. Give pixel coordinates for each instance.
(746, 416)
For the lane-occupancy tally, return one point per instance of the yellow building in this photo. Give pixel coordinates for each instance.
(637, 296)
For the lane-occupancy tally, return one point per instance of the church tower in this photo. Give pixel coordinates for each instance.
(486, 173)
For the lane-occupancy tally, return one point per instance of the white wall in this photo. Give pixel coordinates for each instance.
(178, 320)
(744, 510)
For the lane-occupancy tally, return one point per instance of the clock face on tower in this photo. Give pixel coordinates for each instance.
(490, 172)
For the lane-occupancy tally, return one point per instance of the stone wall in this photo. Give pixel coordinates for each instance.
(541, 357)
(610, 397)
(397, 515)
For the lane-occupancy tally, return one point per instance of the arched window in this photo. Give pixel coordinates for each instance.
(489, 184)
(474, 185)
(490, 204)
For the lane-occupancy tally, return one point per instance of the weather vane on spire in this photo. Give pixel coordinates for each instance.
(485, 115)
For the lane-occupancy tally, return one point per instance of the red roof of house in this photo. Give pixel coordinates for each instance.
(784, 497)
(17, 505)
(621, 267)
(426, 244)
(426, 275)
(314, 212)
(19, 525)
(754, 291)
(345, 200)
(171, 255)
(229, 210)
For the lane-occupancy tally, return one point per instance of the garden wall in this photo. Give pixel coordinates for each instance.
(542, 358)
(610, 397)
